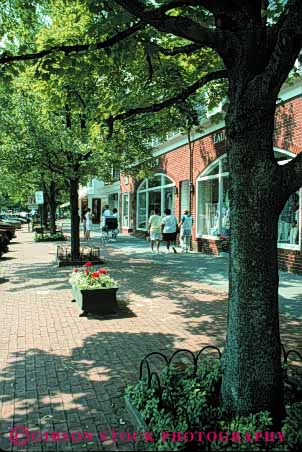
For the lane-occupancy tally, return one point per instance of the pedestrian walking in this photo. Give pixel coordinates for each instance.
(106, 213)
(186, 224)
(88, 217)
(169, 230)
(154, 229)
(84, 223)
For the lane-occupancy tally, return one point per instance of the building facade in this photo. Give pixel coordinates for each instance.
(192, 173)
(98, 194)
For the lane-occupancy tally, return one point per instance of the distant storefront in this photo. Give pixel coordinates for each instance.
(96, 195)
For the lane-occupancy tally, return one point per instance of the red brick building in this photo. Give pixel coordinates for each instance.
(195, 176)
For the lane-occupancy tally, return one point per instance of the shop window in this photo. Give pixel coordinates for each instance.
(154, 181)
(288, 225)
(96, 210)
(155, 192)
(113, 201)
(213, 209)
(126, 210)
(142, 210)
(209, 207)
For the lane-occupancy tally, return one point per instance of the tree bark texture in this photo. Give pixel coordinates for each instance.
(75, 219)
(252, 378)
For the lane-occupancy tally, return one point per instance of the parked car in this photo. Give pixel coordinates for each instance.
(18, 218)
(8, 228)
(25, 216)
(3, 245)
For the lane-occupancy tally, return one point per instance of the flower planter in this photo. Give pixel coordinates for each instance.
(135, 417)
(96, 301)
(139, 425)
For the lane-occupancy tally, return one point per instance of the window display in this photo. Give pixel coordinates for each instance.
(155, 192)
(142, 211)
(208, 207)
(125, 210)
(113, 201)
(213, 207)
(288, 226)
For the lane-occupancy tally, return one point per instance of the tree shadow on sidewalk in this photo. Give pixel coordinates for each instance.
(80, 391)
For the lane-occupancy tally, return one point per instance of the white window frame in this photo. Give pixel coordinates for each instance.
(124, 195)
(203, 176)
(290, 246)
(147, 190)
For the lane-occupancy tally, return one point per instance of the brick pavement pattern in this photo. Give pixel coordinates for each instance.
(64, 373)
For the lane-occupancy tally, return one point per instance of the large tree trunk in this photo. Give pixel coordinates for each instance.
(75, 219)
(252, 378)
(52, 207)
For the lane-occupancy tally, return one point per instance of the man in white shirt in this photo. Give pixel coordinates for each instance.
(169, 229)
(154, 226)
(106, 213)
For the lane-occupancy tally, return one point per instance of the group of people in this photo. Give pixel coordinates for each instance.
(167, 228)
(160, 228)
(87, 219)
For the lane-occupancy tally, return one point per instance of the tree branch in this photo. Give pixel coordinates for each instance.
(292, 174)
(183, 95)
(178, 4)
(67, 49)
(288, 43)
(187, 50)
(181, 26)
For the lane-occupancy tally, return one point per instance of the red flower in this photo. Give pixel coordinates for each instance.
(88, 264)
(75, 270)
(102, 271)
(87, 272)
(95, 274)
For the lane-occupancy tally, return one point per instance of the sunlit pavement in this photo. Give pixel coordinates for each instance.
(65, 373)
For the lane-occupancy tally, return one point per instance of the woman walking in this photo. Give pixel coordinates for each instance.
(84, 223)
(88, 217)
(169, 230)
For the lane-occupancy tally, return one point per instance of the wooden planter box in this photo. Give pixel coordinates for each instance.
(96, 301)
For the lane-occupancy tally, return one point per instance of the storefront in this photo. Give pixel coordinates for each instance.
(96, 195)
(155, 192)
(197, 178)
(213, 209)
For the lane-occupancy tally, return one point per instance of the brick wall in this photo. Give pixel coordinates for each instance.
(288, 125)
(207, 246)
(290, 260)
(176, 165)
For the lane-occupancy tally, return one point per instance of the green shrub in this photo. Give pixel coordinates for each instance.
(189, 402)
(57, 237)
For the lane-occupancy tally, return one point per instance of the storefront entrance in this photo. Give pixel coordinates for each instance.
(155, 192)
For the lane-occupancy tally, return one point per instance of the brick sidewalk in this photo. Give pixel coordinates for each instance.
(61, 372)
